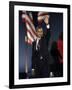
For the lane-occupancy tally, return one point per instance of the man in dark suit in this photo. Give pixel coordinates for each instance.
(40, 54)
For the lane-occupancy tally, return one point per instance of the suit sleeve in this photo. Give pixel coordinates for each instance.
(47, 35)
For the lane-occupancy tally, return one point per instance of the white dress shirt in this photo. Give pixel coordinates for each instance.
(37, 41)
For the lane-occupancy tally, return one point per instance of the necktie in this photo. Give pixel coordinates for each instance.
(38, 44)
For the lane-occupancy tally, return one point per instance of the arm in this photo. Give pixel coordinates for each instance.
(47, 32)
(47, 35)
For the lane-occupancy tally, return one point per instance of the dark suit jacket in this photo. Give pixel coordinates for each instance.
(43, 50)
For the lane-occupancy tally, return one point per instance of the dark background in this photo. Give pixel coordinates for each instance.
(25, 50)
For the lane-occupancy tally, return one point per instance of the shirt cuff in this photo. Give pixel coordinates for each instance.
(48, 26)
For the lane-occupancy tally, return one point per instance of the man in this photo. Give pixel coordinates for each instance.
(40, 54)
